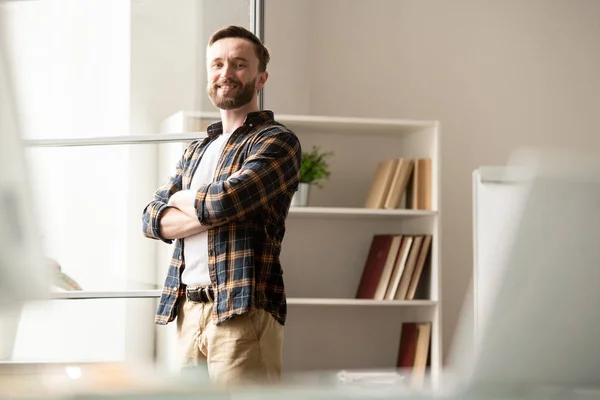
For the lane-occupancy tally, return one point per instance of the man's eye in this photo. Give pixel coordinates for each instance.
(241, 65)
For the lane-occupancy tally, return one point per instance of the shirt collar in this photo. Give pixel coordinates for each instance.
(252, 119)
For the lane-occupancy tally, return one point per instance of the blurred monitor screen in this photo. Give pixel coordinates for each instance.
(543, 327)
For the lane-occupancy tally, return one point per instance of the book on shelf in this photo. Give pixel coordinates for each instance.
(401, 179)
(394, 266)
(418, 193)
(413, 352)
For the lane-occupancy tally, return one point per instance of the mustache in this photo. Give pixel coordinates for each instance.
(226, 81)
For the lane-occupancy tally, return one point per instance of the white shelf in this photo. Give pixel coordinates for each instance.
(105, 294)
(327, 124)
(353, 123)
(140, 294)
(359, 302)
(341, 212)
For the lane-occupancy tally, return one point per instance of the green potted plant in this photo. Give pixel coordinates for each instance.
(313, 171)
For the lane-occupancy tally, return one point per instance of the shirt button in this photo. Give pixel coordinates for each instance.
(250, 125)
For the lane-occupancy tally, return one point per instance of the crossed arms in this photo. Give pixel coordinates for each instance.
(271, 169)
(179, 220)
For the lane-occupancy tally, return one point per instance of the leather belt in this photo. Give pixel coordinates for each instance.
(203, 294)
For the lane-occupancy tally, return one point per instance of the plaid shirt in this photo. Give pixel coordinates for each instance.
(243, 253)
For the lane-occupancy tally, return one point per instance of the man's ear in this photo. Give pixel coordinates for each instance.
(262, 79)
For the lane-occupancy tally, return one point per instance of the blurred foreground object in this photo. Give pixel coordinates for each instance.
(23, 273)
(541, 328)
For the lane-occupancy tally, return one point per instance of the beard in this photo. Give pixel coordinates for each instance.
(244, 94)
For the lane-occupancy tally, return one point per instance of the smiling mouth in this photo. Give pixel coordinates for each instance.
(227, 88)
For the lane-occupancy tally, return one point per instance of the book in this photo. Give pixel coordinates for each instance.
(381, 183)
(419, 265)
(374, 265)
(418, 192)
(393, 267)
(413, 352)
(398, 184)
(409, 268)
(399, 267)
(401, 183)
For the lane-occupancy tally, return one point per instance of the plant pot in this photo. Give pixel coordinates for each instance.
(300, 198)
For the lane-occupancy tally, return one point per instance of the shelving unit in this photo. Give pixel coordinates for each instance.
(326, 244)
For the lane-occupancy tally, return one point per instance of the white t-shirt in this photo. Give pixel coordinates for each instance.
(195, 247)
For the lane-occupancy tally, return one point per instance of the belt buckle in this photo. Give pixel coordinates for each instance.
(193, 294)
(200, 294)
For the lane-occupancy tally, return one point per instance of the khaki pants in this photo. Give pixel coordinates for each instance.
(242, 350)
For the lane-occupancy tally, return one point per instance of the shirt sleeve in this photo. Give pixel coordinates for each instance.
(153, 210)
(271, 170)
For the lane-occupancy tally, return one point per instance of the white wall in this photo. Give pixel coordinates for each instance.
(496, 74)
(289, 37)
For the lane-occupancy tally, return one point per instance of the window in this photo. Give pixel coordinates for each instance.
(99, 69)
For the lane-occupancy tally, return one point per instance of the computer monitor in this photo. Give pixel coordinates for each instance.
(23, 274)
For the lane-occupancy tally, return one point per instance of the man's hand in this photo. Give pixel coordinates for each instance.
(182, 220)
(184, 201)
(176, 224)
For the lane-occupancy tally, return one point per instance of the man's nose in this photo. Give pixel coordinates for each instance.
(227, 71)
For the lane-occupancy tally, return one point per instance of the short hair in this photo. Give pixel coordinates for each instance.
(233, 31)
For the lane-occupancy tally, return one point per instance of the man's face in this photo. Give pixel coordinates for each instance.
(233, 77)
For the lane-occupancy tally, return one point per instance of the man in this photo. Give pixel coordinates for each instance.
(226, 208)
